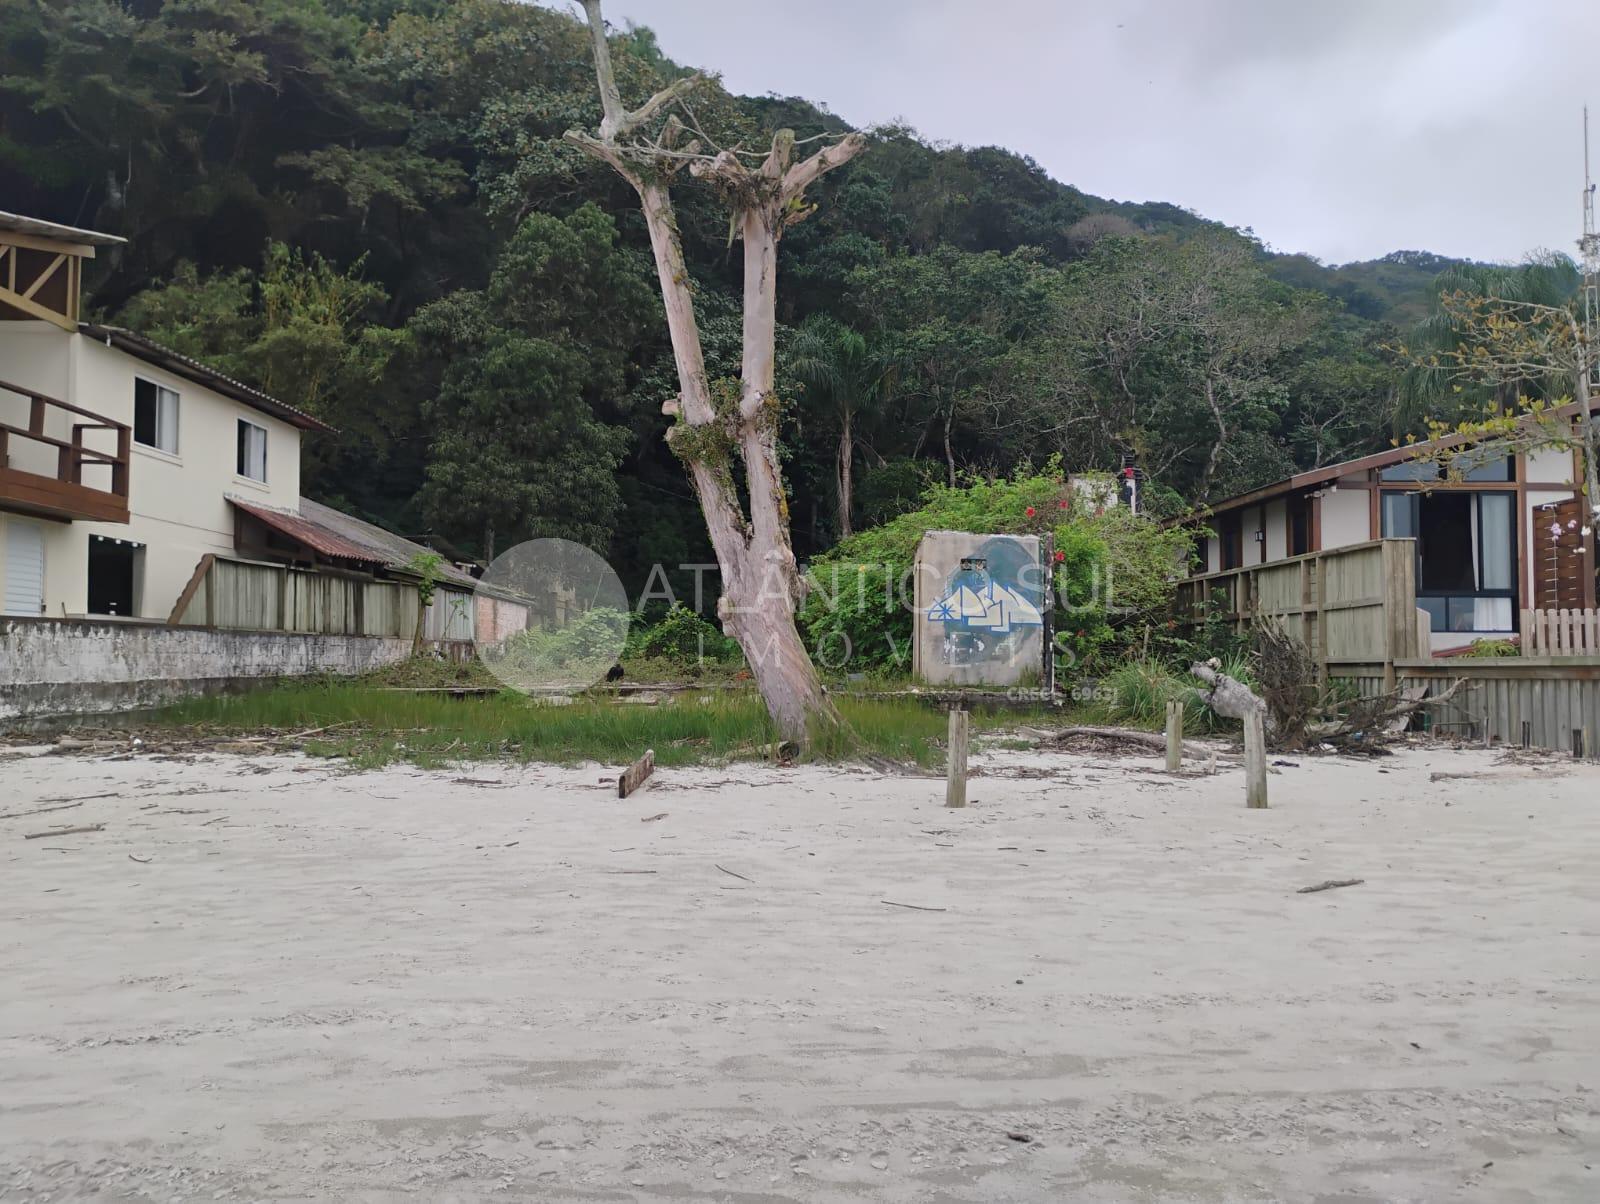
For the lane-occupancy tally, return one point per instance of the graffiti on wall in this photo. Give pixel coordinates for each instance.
(989, 607)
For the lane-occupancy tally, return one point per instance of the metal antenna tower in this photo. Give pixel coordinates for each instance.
(1589, 252)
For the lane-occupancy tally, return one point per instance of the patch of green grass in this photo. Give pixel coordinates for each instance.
(1139, 690)
(373, 727)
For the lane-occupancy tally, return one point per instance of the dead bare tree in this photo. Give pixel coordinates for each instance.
(1298, 711)
(722, 425)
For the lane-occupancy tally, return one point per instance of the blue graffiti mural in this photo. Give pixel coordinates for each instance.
(990, 604)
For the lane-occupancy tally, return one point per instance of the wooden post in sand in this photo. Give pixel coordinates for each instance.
(955, 787)
(1255, 760)
(1174, 735)
(633, 777)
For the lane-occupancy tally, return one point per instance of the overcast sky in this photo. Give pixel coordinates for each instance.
(1343, 128)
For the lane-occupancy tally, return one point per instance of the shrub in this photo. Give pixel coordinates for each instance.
(1493, 648)
(1114, 571)
(1137, 692)
(681, 636)
(578, 653)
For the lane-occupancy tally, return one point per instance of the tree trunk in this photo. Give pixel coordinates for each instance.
(949, 454)
(760, 579)
(1216, 447)
(1591, 435)
(846, 472)
(488, 541)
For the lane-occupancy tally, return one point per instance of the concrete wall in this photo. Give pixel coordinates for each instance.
(1346, 517)
(177, 503)
(88, 666)
(978, 623)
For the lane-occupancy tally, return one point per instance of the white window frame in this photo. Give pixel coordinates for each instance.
(172, 414)
(242, 451)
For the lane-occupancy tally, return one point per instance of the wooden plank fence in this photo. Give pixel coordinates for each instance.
(1503, 700)
(1355, 607)
(1561, 632)
(253, 595)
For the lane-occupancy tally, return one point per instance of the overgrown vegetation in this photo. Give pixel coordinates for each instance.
(1113, 572)
(1137, 691)
(371, 727)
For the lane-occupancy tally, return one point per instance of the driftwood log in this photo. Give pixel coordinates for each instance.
(1228, 697)
(1350, 725)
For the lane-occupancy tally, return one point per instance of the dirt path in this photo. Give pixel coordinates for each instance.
(267, 979)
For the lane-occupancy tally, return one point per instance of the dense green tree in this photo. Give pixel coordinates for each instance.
(332, 199)
(535, 378)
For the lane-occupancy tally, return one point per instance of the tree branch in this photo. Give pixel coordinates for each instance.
(805, 173)
(606, 152)
(676, 90)
(617, 122)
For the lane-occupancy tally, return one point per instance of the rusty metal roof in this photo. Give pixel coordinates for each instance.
(395, 550)
(313, 535)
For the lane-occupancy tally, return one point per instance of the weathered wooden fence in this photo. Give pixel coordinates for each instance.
(230, 593)
(1561, 632)
(1553, 696)
(1355, 607)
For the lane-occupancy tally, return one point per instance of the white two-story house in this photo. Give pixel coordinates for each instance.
(122, 463)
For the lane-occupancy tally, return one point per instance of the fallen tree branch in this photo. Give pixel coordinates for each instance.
(1330, 884)
(44, 810)
(1150, 740)
(64, 831)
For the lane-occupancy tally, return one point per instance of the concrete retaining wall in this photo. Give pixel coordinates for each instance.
(79, 667)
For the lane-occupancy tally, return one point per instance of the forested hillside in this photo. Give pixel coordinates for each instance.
(364, 207)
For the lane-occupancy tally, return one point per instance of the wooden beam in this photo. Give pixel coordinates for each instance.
(1255, 761)
(634, 776)
(29, 306)
(955, 785)
(43, 277)
(189, 590)
(34, 492)
(33, 243)
(1519, 529)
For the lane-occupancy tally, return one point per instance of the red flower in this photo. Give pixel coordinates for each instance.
(1060, 556)
(1062, 504)
(1030, 512)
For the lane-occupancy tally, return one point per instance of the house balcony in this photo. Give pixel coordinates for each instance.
(60, 461)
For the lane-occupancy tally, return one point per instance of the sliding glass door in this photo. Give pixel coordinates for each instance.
(1466, 555)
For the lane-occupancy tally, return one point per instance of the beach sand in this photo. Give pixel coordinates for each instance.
(270, 978)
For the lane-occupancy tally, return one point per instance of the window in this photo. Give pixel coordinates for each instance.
(1469, 469)
(252, 451)
(1466, 555)
(1411, 470)
(155, 416)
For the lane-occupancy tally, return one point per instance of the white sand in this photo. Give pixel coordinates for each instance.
(353, 987)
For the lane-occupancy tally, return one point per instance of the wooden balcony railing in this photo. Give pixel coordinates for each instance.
(64, 493)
